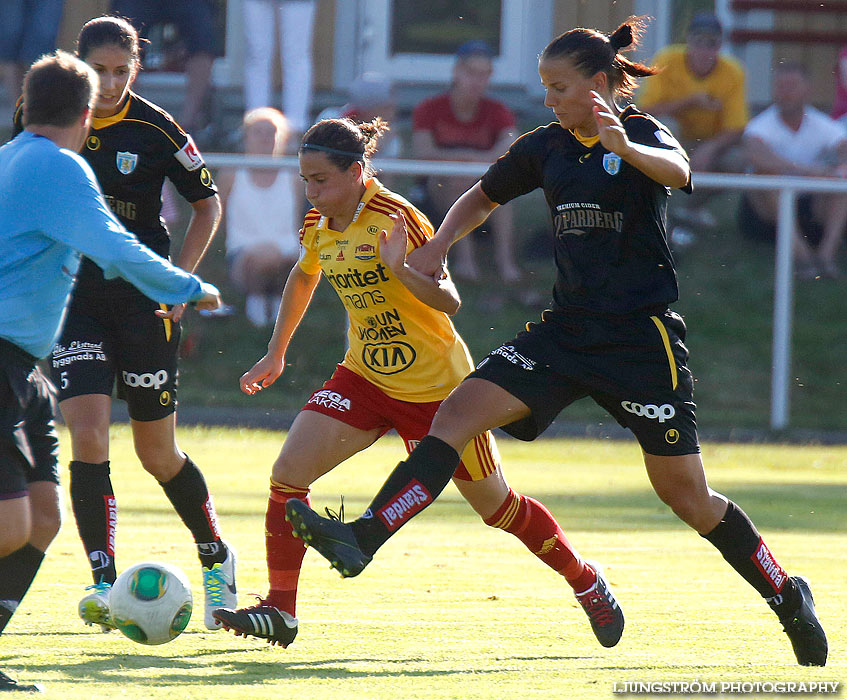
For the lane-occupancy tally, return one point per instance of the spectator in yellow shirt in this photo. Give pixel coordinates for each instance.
(702, 92)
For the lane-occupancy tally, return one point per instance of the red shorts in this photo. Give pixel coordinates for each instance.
(353, 400)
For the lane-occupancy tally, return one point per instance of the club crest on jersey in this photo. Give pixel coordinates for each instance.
(365, 252)
(126, 162)
(612, 163)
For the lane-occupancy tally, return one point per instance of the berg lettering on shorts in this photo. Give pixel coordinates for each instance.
(650, 410)
(513, 356)
(330, 399)
(148, 380)
(407, 504)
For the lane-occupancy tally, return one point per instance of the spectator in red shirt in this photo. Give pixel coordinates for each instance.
(463, 124)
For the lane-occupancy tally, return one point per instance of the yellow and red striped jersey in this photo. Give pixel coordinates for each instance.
(408, 349)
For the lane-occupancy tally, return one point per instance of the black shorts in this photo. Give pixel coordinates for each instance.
(29, 446)
(113, 338)
(633, 366)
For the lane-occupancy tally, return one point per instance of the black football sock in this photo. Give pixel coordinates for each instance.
(737, 539)
(96, 514)
(19, 569)
(410, 488)
(188, 493)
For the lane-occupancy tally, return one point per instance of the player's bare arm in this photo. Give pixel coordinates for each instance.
(205, 218)
(296, 298)
(665, 166)
(468, 212)
(437, 292)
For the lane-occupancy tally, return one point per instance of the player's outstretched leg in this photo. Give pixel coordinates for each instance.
(741, 545)
(188, 493)
(331, 538)
(804, 629)
(94, 607)
(10, 684)
(602, 608)
(534, 525)
(262, 620)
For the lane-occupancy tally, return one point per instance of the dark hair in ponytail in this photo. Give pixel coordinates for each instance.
(345, 142)
(108, 31)
(595, 52)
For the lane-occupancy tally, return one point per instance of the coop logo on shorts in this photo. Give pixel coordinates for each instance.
(126, 162)
(148, 380)
(330, 399)
(650, 410)
(612, 163)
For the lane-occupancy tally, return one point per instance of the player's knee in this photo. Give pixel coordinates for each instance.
(291, 471)
(90, 439)
(14, 535)
(45, 526)
(687, 506)
(162, 463)
(449, 424)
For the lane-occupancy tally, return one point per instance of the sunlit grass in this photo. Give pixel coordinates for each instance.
(450, 608)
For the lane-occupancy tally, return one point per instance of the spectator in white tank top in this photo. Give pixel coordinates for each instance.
(262, 211)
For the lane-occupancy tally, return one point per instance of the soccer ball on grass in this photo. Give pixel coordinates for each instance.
(151, 602)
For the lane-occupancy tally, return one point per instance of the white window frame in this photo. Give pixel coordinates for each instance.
(526, 27)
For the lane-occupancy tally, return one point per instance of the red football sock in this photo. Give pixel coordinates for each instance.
(284, 551)
(535, 526)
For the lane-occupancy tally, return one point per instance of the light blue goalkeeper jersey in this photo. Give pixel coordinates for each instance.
(52, 211)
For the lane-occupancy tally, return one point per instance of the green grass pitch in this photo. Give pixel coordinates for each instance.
(450, 608)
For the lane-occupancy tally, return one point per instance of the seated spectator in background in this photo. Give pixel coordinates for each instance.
(839, 104)
(293, 22)
(370, 95)
(262, 217)
(463, 124)
(793, 138)
(195, 21)
(701, 93)
(28, 29)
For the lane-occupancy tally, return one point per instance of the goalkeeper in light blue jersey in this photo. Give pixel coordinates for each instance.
(51, 212)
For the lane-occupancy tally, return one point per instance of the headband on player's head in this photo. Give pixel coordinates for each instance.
(335, 151)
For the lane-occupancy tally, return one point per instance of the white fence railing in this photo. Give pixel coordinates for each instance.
(788, 188)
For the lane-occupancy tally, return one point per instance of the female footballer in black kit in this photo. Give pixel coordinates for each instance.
(606, 173)
(113, 332)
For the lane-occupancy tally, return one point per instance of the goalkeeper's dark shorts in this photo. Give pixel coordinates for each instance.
(29, 446)
(634, 366)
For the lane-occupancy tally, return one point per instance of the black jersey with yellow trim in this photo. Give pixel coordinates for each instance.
(610, 242)
(132, 152)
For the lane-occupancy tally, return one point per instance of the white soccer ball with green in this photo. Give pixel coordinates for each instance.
(151, 602)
